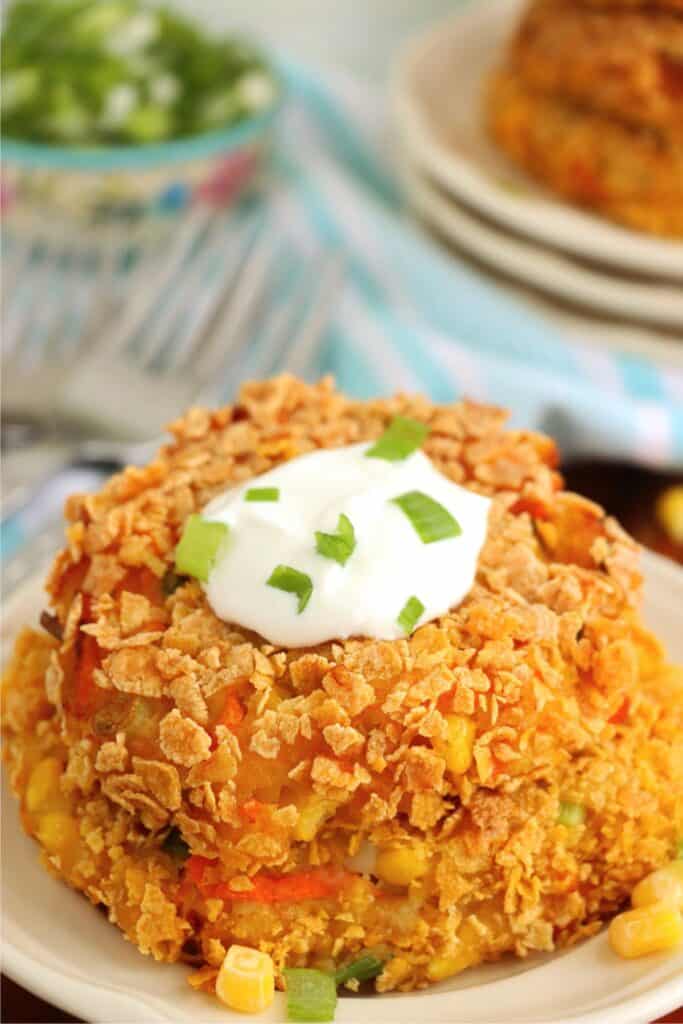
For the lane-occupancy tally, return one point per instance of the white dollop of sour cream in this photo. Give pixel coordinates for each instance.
(389, 565)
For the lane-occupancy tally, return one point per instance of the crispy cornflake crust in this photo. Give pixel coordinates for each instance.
(631, 175)
(627, 64)
(271, 762)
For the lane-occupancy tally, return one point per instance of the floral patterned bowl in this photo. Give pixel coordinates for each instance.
(87, 187)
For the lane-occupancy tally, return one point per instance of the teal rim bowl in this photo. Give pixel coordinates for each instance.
(33, 155)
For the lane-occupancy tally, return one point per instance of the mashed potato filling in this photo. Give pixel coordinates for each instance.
(275, 519)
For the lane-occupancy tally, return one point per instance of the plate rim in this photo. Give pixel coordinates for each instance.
(584, 234)
(75, 994)
(429, 201)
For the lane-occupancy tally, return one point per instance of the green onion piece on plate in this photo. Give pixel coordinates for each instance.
(175, 846)
(678, 851)
(262, 494)
(362, 969)
(432, 522)
(410, 613)
(571, 814)
(283, 577)
(311, 995)
(401, 438)
(340, 545)
(198, 547)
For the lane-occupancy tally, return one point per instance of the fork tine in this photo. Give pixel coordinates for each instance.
(273, 352)
(148, 293)
(15, 263)
(300, 355)
(277, 326)
(177, 328)
(102, 298)
(223, 343)
(183, 327)
(21, 319)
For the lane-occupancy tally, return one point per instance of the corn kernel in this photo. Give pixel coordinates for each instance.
(646, 930)
(669, 511)
(571, 815)
(459, 743)
(662, 886)
(57, 831)
(313, 812)
(401, 865)
(466, 954)
(397, 970)
(43, 789)
(246, 980)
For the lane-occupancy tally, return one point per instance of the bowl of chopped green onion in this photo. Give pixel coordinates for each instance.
(114, 109)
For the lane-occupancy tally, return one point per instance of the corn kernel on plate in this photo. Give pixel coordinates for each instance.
(58, 946)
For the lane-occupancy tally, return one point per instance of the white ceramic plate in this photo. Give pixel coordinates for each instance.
(542, 268)
(61, 948)
(437, 102)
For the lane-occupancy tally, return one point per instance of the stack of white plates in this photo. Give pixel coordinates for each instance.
(467, 191)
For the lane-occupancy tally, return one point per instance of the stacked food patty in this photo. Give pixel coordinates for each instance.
(589, 100)
(496, 782)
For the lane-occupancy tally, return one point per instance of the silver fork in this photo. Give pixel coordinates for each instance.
(289, 337)
(46, 378)
(182, 329)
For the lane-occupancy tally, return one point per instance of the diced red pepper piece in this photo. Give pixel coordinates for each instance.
(84, 691)
(232, 713)
(195, 866)
(252, 809)
(143, 581)
(534, 506)
(621, 714)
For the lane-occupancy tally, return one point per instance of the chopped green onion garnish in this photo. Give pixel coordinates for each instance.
(571, 814)
(364, 968)
(175, 846)
(116, 72)
(432, 522)
(283, 577)
(311, 995)
(262, 494)
(678, 853)
(340, 545)
(401, 438)
(410, 613)
(198, 547)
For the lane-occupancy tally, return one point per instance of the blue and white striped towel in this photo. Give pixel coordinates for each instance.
(412, 318)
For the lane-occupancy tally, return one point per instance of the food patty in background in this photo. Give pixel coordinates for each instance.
(629, 67)
(590, 103)
(495, 782)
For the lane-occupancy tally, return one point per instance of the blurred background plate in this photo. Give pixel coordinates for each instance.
(550, 271)
(437, 104)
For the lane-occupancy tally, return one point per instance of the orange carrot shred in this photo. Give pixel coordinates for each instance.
(621, 714)
(534, 506)
(84, 682)
(252, 809)
(232, 713)
(312, 884)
